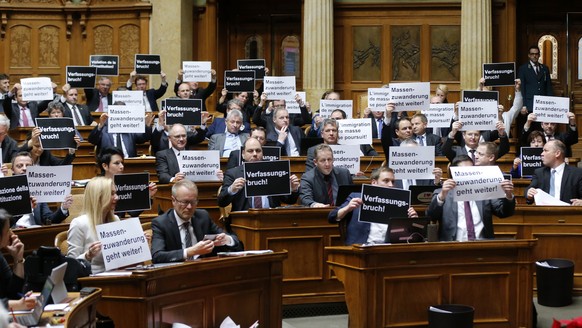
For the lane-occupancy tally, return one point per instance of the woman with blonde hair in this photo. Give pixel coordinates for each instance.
(98, 206)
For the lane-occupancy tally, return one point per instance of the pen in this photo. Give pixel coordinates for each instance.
(13, 316)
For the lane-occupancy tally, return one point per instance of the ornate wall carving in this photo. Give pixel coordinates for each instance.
(49, 46)
(128, 44)
(103, 41)
(20, 45)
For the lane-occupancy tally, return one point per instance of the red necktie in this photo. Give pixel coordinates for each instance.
(329, 190)
(100, 109)
(470, 224)
(257, 202)
(24, 117)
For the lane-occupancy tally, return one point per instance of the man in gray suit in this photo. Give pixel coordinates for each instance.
(469, 220)
(233, 139)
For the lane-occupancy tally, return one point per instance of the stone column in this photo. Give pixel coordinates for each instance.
(317, 49)
(476, 34)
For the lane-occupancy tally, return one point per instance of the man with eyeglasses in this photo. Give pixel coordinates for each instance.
(535, 78)
(98, 99)
(185, 232)
(167, 164)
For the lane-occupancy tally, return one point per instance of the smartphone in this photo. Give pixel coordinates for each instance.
(209, 237)
(507, 176)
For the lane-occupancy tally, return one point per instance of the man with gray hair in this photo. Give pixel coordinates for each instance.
(8, 145)
(287, 136)
(233, 138)
(219, 124)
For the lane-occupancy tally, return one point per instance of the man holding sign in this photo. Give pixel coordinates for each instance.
(359, 232)
(20, 112)
(98, 99)
(468, 220)
(195, 90)
(150, 96)
(185, 232)
(232, 191)
(127, 142)
(550, 131)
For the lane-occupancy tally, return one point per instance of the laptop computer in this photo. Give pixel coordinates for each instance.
(344, 191)
(421, 195)
(57, 276)
(33, 318)
(407, 230)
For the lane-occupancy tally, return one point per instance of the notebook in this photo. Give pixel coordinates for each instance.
(59, 293)
(407, 230)
(421, 195)
(33, 318)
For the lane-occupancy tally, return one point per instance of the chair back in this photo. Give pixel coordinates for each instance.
(61, 242)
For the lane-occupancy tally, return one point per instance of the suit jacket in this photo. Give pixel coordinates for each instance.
(239, 201)
(447, 214)
(42, 213)
(166, 165)
(431, 139)
(9, 148)
(260, 118)
(160, 139)
(357, 232)
(569, 138)
(375, 134)
(293, 131)
(166, 241)
(12, 110)
(571, 182)
(219, 126)
(216, 142)
(367, 150)
(451, 151)
(200, 93)
(83, 110)
(313, 187)
(92, 97)
(103, 139)
(154, 94)
(534, 84)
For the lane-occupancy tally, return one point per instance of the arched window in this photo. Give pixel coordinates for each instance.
(548, 45)
(254, 47)
(290, 56)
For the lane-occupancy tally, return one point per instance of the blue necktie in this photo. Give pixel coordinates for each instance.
(553, 183)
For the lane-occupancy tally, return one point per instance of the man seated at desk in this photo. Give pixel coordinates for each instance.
(320, 185)
(232, 191)
(365, 232)
(556, 178)
(233, 138)
(178, 234)
(468, 220)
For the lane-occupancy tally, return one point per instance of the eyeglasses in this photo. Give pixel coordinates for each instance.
(185, 203)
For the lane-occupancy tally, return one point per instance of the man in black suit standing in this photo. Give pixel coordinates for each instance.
(535, 78)
(150, 96)
(423, 138)
(79, 113)
(22, 113)
(196, 91)
(179, 233)
(127, 142)
(232, 191)
(287, 136)
(98, 99)
(560, 180)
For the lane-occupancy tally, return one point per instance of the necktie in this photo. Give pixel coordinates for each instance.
(469, 219)
(536, 69)
(553, 183)
(421, 140)
(24, 117)
(257, 202)
(549, 137)
(380, 123)
(187, 236)
(76, 116)
(118, 141)
(472, 151)
(329, 190)
(100, 109)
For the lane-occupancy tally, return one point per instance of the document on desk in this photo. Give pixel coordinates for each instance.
(112, 274)
(244, 253)
(543, 198)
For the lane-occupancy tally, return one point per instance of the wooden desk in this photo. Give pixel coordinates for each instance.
(84, 311)
(393, 285)
(199, 293)
(303, 232)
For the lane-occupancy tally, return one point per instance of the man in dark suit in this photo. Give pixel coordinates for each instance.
(377, 123)
(127, 142)
(329, 133)
(150, 95)
(288, 137)
(160, 133)
(98, 99)
(22, 113)
(265, 116)
(569, 138)
(406, 183)
(359, 232)
(219, 123)
(471, 139)
(9, 146)
(178, 234)
(233, 138)
(535, 78)
(320, 185)
(566, 183)
(4, 85)
(167, 160)
(79, 113)
(232, 191)
(234, 159)
(452, 215)
(196, 91)
(422, 137)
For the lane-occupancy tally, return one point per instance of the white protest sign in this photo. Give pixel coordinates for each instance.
(123, 243)
(279, 87)
(479, 115)
(126, 119)
(355, 131)
(410, 96)
(551, 109)
(197, 71)
(410, 162)
(477, 182)
(292, 105)
(36, 88)
(326, 107)
(127, 97)
(439, 115)
(50, 183)
(200, 165)
(346, 156)
(378, 98)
